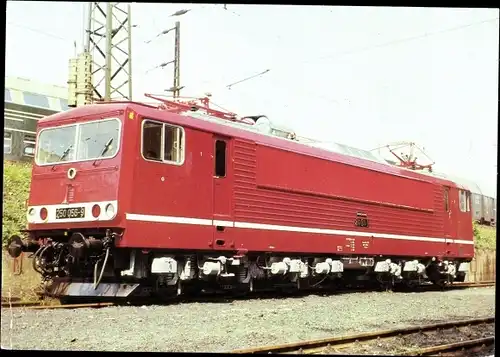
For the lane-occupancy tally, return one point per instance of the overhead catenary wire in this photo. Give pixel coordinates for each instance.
(306, 61)
(363, 49)
(248, 78)
(401, 40)
(176, 87)
(162, 65)
(376, 46)
(41, 32)
(341, 54)
(166, 31)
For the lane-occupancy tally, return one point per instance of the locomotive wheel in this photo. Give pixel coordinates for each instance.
(410, 284)
(303, 284)
(387, 285)
(440, 283)
(243, 289)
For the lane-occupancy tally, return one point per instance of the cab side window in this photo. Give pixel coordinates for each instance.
(464, 200)
(151, 140)
(162, 142)
(173, 148)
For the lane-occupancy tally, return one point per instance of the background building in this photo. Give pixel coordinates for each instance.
(26, 101)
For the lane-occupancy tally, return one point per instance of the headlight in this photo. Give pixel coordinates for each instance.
(31, 212)
(110, 210)
(44, 213)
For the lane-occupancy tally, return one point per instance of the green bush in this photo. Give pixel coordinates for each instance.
(16, 186)
(485, 237)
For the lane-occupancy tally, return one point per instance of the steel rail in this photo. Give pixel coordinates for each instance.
(331, 341)
(41, 306)
(469, 344)
(71, 306)
(486, 282)
(20, 303)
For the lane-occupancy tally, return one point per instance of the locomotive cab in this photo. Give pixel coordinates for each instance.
(81, 163)
(73, 211)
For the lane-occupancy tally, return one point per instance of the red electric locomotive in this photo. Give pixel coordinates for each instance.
(130, 199)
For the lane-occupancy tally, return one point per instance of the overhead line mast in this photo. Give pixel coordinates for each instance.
(103, 71)
(176, 88)
(177, 61)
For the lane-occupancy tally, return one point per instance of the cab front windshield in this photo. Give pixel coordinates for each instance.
(78, 142)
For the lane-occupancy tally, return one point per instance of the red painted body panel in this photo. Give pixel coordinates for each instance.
(170, 190)
(273, 206)
(100, 182)
(268, 181)
(167, 236)
(313, 176)
(276, 241)
(91, 183)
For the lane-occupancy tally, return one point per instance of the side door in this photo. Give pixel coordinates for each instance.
(447, 212)
(222, 194)
(452, 221)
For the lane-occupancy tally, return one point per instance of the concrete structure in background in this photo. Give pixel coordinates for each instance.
(26, 101)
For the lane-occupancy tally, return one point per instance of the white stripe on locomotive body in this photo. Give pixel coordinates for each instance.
(51, 212)
(223, 223)
(273, 227)
(169, 219)
(51, 218)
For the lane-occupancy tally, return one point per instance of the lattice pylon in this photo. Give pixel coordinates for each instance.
(109, 41)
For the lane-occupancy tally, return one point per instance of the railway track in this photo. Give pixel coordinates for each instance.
(40, 305)
(359, 343)
(36, 305)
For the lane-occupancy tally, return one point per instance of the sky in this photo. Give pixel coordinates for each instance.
(360, 76)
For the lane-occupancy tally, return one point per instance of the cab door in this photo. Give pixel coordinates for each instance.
(448, 221)
(222, 193)
(453, 222)
(447, 213)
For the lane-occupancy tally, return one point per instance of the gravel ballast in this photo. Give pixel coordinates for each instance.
(400, 345)
(223, 326)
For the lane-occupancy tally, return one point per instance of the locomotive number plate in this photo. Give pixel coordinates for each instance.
(74, 212)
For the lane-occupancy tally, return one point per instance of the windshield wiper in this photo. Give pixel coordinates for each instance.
(62, 157)
(104, 150)
(65, 153)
